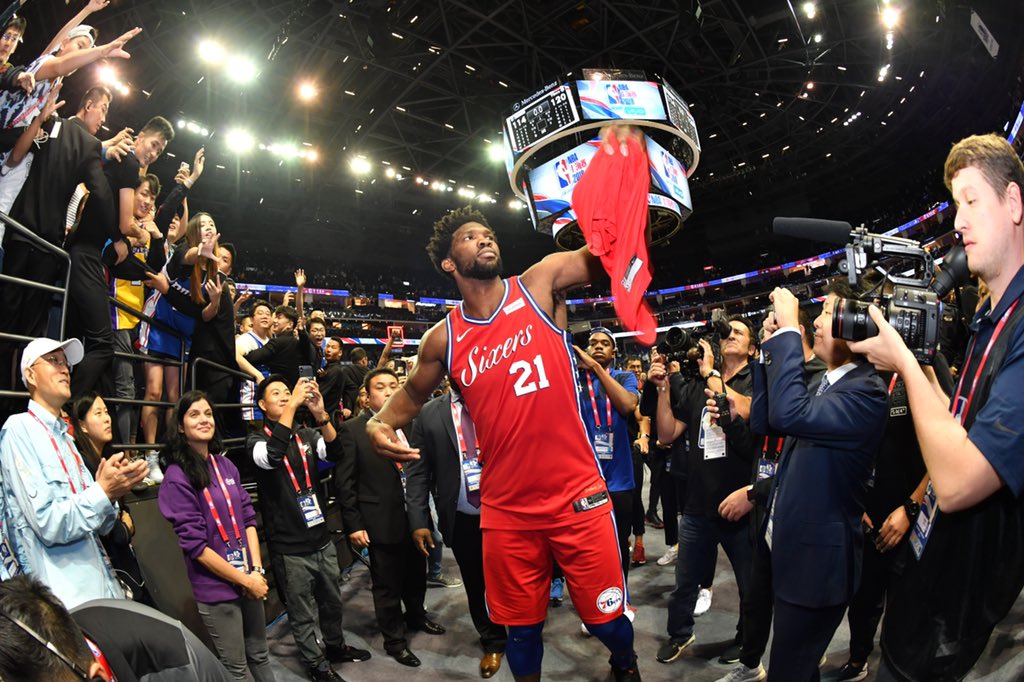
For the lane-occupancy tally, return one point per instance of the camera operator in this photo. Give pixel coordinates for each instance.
(719, 461)
(969, 536)
(814, 515)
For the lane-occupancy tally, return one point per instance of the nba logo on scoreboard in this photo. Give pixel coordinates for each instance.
(669, 168)
(612, 91)
(562, 171)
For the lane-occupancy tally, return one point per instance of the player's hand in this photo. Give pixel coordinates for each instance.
(617, 136)
(735, 506)
(359, 539)
(387, 444)
(424, 540)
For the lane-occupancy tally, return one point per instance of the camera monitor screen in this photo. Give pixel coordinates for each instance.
(620, 99)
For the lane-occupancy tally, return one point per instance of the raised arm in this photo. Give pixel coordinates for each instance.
(62, 66)
(403, 406)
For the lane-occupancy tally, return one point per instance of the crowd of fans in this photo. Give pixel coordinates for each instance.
(175, 367)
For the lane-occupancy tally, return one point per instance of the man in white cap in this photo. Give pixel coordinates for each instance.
(54, 512)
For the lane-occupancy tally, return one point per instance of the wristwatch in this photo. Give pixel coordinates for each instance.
(325, 422)
(260, 570)
(912, 508)
(750, 494)
(713, 373)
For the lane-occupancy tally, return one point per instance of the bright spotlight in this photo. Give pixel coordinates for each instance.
(211, 52)
(360, 166)
(181, 123)
(106, 74)
(240, 141)
(193, 127)
(241, 70)
(307, 91)
(312, 156)
(817, 37)
(515, 204)
(810, 10)
(495, 152)
(890, 17)
(389, 172)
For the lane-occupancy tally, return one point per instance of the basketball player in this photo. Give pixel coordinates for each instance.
(540, 487)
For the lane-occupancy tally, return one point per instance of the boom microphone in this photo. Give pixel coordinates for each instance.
(814, 229)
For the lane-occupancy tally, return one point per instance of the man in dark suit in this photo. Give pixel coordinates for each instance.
(370, 490)
(71, 155)
(447, 458)
(814, 517)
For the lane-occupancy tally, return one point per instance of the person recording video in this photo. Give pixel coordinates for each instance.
(968, 539)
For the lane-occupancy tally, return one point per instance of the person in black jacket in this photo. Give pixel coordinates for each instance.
(370, 490)
(444, 445)
(304, 559)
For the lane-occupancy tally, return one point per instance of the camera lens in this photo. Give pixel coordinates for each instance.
(851, 321)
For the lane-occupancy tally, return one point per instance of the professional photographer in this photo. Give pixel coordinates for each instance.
(969, 535)
(719, 461)
(814, 515)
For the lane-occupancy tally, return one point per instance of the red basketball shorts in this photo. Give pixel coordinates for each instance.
(518, 565)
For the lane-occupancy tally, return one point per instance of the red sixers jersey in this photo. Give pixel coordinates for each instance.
(517, 373)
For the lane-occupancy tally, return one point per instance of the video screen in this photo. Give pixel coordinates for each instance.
(620, 99)
(542, 117)
(551, 184)
(668, 174)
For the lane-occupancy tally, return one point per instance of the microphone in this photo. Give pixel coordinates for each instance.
(954, 272)
(814, 229)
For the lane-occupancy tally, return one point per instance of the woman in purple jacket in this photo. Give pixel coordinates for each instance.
(202, 496)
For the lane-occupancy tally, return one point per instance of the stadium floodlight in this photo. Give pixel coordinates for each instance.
(240, 141)
(211, 52)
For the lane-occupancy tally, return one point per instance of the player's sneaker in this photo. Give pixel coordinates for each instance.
(703, 602)
(742, 673)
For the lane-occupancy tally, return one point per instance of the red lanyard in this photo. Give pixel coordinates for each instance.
(405, 442)
(60, 457)
(593, 403)
(778, 448)
(288, 465)
(231, 507)
(459, 437)
(981, 365)
(892, 382)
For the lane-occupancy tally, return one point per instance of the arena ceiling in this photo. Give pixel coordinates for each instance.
(424, 86)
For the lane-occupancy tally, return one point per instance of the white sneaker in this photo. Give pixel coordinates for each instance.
(742, 673)
(153, 460)
(703, 602)
(669, 557)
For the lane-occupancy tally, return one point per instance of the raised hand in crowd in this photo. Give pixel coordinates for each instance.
(119, 145)
(115, 48)
(656, 373)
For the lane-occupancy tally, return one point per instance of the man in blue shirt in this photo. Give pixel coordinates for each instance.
(53, 509)
(968, 539)
(607, 397)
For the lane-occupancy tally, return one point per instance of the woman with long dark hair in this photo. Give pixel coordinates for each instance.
(203, 498)
(192, 266)
(91, 424)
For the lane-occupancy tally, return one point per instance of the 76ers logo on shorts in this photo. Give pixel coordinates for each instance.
(610, 600)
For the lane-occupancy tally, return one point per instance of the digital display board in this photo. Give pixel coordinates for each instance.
(551, 184)
(679, 114)
(547, 114)
(605, 99)
(668, 174)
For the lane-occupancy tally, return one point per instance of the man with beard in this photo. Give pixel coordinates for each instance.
(512, 364)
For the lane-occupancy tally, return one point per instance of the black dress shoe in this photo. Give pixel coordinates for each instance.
(324, 674)
(345, 654)
(406, 657)
(428, 626)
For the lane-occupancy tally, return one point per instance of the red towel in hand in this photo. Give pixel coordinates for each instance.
(610, 201)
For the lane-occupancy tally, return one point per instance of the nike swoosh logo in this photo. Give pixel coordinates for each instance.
(458, 339)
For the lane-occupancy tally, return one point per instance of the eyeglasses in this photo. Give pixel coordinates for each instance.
(79, 671)
(12, 37)
(56, 361)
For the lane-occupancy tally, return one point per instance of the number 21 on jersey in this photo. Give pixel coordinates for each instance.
(524, 384)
